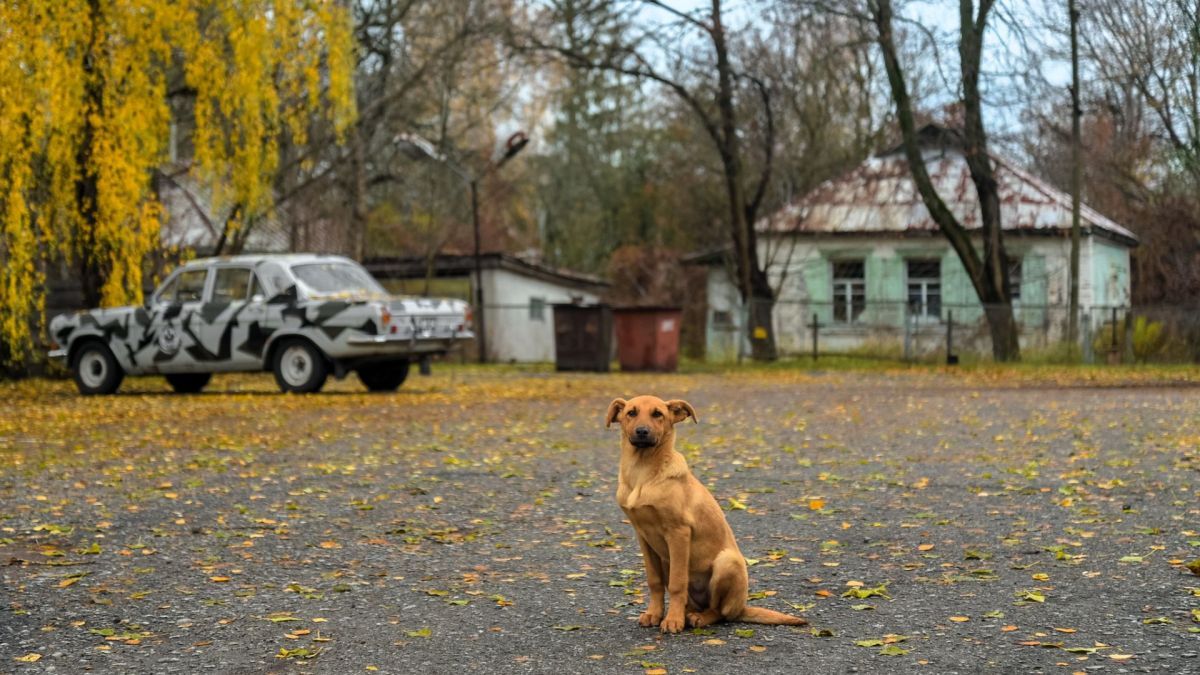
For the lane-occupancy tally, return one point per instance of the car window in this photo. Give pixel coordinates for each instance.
(167, 292)
(232, 284)
(271, 279)
(331, 278)
(190, 286)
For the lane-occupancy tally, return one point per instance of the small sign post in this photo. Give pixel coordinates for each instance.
(816, 328)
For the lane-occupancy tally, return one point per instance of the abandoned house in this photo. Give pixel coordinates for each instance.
(862, 256)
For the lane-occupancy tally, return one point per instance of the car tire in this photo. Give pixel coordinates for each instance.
(96, 370)
(300, 367)
(387, 376)
(188, 383)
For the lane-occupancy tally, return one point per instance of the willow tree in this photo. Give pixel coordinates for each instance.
(85, 117)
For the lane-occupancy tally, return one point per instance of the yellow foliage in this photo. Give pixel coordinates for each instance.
(85, 118)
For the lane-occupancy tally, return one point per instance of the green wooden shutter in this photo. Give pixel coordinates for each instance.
(1034, 290)
(958, 293)
(818, 282)
(885, 290)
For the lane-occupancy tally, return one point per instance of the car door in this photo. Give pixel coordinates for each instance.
(230, 318)
(174, 322)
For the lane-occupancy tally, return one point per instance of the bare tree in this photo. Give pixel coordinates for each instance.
(431, 67)
(1154, 46)
(708, 79)
(988, 272)
(1138, 112)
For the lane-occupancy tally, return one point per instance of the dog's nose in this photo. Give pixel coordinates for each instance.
(642, 431)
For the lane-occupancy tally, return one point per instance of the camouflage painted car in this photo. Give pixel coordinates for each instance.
(301, 316)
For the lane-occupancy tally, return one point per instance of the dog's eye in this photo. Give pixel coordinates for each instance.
(656, 413)
(631, 413)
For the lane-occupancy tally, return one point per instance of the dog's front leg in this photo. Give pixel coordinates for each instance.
(679, 549)
(654, 579)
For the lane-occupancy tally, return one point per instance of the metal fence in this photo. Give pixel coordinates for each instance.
(948, 332)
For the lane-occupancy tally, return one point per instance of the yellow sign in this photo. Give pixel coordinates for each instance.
(760, 333)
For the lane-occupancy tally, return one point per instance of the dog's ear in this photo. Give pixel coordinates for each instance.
(681, 410)
(614, 410)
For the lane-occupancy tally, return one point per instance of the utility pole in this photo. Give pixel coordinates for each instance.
(480, 339)
(1076, 178)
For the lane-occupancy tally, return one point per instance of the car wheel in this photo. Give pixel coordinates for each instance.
(384, 376)
(97, 370)
(188, 383)
(300, 367)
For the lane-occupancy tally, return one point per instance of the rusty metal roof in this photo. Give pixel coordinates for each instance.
(880, 197)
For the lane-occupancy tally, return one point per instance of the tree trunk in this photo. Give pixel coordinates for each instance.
(761, 314)
(996, 293)
(753, 285)
(989, 273)
(91, 274)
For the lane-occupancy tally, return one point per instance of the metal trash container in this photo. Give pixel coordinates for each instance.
(648, 337)
(582, 337)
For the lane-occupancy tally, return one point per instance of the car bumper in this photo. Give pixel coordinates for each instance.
(418, 342)
(57, 354)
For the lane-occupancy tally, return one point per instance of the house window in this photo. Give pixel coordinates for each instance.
(537, 309)
(1014, 277)
(925, 288)
(849, 290)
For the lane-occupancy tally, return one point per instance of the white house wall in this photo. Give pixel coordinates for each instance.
(512, 334)
(802, 267)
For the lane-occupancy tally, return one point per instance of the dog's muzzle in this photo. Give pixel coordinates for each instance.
(641, 438)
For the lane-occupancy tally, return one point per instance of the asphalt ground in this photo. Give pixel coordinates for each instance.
(923, 522)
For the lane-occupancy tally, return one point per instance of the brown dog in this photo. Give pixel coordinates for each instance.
(683, 533)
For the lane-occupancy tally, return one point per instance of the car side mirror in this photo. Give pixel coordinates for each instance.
(258, 297)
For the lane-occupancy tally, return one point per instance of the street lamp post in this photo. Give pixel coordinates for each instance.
(512, 146)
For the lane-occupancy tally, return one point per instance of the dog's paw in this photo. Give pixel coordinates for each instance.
(697, 620)
(671, 624)
(649, 618)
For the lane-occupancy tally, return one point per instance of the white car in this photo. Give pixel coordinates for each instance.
(302, 316)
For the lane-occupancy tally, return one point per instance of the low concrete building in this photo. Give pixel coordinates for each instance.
(517, 296)
(862, 255)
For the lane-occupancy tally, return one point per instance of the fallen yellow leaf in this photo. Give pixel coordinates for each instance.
(31, 657)
(960, 619)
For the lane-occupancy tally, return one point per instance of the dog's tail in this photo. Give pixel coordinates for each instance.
(769, 617)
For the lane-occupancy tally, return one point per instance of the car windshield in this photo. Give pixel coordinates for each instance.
(337, 279)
